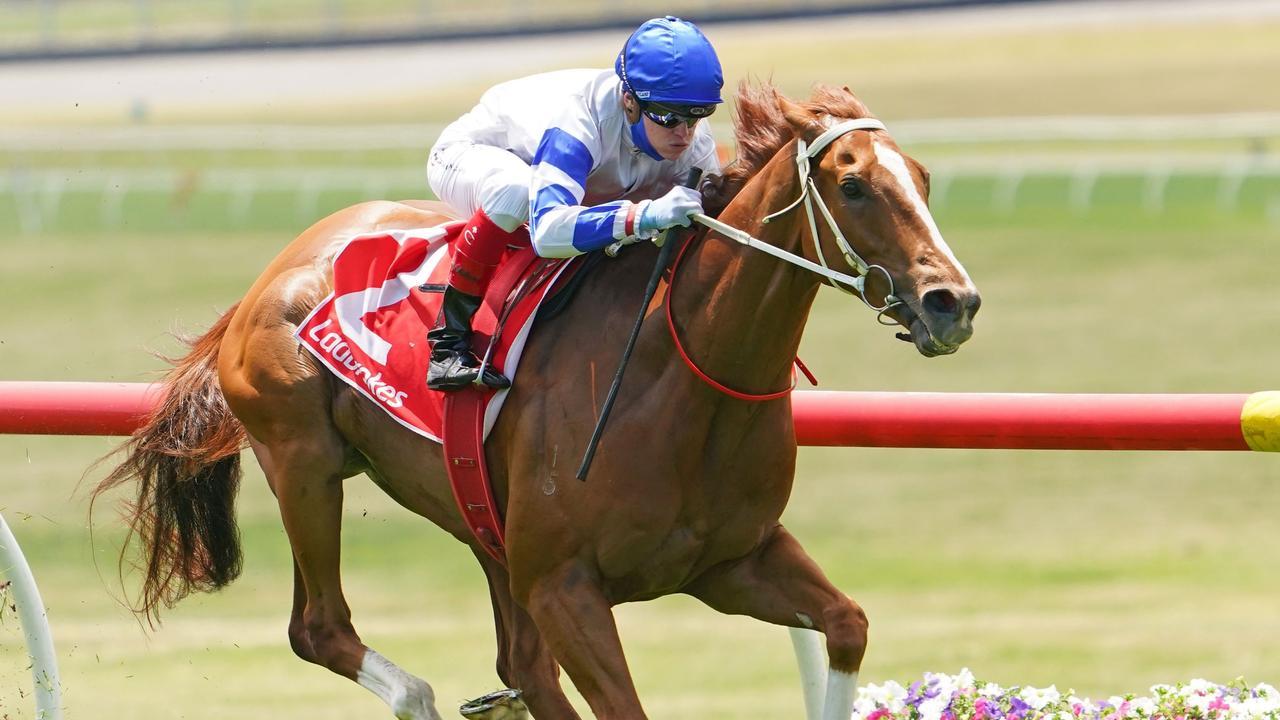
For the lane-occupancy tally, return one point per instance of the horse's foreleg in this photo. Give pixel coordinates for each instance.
(779, 583)
(306, 477)
(524, 660)
(298, 639)
(577, 623)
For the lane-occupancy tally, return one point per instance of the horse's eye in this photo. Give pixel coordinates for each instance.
(851, 188)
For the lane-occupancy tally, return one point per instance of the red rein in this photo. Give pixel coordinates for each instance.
(688, 361)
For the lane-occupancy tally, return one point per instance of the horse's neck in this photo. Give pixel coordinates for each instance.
(741, 311)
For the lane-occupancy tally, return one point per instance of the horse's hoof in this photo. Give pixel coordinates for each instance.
(500, 705)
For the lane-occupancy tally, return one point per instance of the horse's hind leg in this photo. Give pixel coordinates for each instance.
(779, 583)
(524, 661)
(306, 472)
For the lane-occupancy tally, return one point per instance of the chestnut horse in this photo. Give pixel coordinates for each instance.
(689, 483)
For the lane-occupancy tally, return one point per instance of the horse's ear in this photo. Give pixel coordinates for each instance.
(803, 123)
(859, 107)
(924, 174)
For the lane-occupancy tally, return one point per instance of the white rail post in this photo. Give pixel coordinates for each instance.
(1229, 186)
(941, 185)
(1004, 195)
(1083, 180)
(35, 625)
(1153, 190)
(812, 659)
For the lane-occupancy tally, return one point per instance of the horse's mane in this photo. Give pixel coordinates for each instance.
(761, 130)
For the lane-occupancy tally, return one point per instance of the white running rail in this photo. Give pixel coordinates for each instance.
(35, 626)
(420, 136)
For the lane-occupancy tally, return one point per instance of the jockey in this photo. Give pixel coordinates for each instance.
(586, 157)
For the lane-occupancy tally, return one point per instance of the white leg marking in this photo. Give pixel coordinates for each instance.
(841, 687)
(813, 668)
(409, 697)
(892, 161)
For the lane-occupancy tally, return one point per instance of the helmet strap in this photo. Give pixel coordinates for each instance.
(641, 138)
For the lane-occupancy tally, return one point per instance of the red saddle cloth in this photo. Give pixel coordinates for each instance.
(372, 333)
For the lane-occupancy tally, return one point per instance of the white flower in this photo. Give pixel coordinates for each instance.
(1265, 699)
(890, 696)
(1241, 711)
(1200, 703)
(947, 685)
(1117, 702)
(931, 709)
(1200, 685)
(990, 690)
(1087, 706)
(1038, 698)
(1257, 707)
(1143, 707)
(1234, 702)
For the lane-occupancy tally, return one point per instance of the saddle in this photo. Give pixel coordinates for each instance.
(371, 333)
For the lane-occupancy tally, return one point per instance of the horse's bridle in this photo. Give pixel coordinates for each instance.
(808, 192)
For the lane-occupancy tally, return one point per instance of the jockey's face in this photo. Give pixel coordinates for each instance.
(669, 142)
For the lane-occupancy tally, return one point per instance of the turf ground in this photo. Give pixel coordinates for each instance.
(1100, 572)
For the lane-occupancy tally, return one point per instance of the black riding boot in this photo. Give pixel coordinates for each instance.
(453, 365)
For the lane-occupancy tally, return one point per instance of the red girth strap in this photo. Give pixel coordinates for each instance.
(464, 432)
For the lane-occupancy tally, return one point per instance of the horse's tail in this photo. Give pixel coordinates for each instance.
(186, 460)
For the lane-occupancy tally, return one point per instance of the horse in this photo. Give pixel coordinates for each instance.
(691, 478)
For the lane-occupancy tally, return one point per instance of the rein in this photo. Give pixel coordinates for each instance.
(808, 193)
(688, 361)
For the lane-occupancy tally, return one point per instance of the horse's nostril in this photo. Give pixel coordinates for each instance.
(941, 303)
(944, 303)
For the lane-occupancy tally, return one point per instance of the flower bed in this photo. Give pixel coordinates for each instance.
(962, 697)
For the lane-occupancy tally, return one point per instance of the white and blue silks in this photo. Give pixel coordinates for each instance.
(571, 164)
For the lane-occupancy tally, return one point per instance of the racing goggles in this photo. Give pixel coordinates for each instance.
(669, 116)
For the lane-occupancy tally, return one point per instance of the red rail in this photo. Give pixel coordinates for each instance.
(74, 408)
(856, 419)
(1020, 421)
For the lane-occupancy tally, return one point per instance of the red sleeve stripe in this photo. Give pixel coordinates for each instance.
(630, 226)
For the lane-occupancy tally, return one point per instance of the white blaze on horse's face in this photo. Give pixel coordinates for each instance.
(893, 161)
(938, 298)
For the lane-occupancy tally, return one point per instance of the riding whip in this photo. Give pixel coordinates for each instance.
(664, 256)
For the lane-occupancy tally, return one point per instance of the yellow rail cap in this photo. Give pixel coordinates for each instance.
(1260, 421)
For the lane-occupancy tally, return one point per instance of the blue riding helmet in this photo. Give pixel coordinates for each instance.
(668, 60)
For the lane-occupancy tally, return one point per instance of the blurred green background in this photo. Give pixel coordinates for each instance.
(1107, 264)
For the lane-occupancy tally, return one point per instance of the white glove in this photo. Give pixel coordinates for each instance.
(670, 210)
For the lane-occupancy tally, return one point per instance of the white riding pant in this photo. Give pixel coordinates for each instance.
(468, 177)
